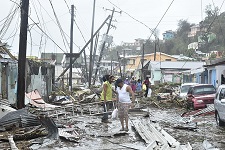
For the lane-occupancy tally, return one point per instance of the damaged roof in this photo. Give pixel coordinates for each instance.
(175, 64)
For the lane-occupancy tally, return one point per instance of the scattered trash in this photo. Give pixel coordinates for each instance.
(208, 146)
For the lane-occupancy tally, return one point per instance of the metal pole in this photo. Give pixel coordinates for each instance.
(91, 48)
(83, 49)
(22, 54)
(124, 64)
(119, 63)
(71, 48)
(142, 63)
(85, 65)
(94, 54)
(103, 46)
(155, 51)
(111, 67)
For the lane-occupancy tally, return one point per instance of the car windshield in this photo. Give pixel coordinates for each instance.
(184, 88)
(208, 89)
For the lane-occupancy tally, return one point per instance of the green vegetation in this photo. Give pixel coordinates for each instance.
(211, 37)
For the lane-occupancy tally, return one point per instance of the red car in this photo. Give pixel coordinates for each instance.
(199, 95)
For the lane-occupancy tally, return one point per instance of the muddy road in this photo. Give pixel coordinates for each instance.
(102, 136)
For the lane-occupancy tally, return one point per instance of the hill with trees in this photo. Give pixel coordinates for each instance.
(211, 37)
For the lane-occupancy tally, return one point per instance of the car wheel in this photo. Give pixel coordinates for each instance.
(219, 122)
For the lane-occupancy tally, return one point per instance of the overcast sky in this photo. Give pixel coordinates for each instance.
(147, 11)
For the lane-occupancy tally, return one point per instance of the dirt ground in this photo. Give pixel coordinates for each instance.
(101, 136)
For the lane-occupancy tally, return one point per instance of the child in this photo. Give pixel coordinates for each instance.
(139, 87)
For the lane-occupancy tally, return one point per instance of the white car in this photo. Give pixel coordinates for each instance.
(219, 104)
(184, 89)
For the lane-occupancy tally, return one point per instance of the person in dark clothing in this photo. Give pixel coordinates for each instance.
(147, 83)
(222, 79)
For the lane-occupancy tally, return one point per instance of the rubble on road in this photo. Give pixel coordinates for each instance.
(69, 118)
(157, 138)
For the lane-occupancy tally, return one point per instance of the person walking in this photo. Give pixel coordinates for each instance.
(147, 83)
(127, 82)
(124, 102)
(106, 95)
(133, 84)
(139, 87)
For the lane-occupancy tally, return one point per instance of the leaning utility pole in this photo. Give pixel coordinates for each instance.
(71, 48)
(91, 48)
(142, 62)
(95, 49)
(22, 54)
(103, 46)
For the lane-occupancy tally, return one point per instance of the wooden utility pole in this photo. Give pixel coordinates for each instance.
(142, 62)
(91, 48)
(71, 49)
(22, 54)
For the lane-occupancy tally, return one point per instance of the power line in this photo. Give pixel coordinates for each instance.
(42, 30)
(59, 25)
(80, 30)
(56, 24)
(219, 19)
(215, 17)
(131, 16)
(162, 18)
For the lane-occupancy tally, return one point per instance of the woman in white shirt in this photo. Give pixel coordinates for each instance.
(124, 102)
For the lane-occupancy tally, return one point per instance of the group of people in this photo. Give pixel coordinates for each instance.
(123, 91)
(137, 86)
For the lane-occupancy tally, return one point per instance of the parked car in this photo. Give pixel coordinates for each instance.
(199, 95)
(184, 89)
(219, 104)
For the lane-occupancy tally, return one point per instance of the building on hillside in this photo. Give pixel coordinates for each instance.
(193, 45)
(169, 34)
(200, 55)
(217, 54)
(181, 57)
(137, 43)
(194, 30)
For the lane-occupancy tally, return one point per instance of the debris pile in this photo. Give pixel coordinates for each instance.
(157, 138)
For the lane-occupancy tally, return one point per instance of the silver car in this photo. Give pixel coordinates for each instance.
(219, 104)
(184, 89)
